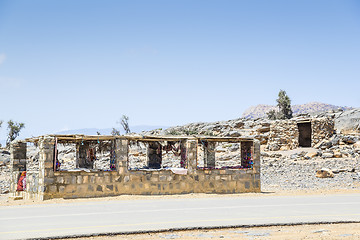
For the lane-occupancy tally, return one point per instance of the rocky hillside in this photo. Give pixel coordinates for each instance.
(281, 170)
(260, 110)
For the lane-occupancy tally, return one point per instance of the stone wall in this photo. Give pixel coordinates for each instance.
(284, 134)
(322, 128)
(75, 184)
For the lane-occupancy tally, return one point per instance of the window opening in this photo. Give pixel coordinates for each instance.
(157, 155)
(223, 155)
(247, 160)
(65, 155)
(89, 154)
(32, 157)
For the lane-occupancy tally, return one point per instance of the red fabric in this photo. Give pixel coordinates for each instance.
(20, 185)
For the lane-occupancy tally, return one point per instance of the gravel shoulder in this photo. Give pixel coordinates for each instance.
(317, 231)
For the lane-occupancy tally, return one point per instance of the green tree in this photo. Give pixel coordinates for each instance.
(284, 104)
(272, 115)
(14, 129)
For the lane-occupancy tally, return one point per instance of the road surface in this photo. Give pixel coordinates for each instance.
(93, 217)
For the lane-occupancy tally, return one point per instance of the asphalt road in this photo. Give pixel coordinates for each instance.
(50, 220)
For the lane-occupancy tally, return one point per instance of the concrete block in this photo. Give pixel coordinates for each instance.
(122, 170)
(48, 164)
(108, 179)
(85, 179)
(70, 188)
(49, 181)
(126, 179)
(92, 179)
(99, 188)
(52, 188)
(61, 189)
(109, 188)
(81, 189)
(90, 188)
(99, 180)
(73, 179)
(79, 179)
(154, 178)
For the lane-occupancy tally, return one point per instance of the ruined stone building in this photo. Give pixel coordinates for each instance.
(101, 166)
(298, 132)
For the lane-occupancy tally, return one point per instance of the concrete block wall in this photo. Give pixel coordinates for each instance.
(82, 184)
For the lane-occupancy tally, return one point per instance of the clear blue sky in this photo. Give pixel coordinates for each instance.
(79, 64)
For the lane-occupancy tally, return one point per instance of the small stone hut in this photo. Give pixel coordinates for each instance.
(299, 132)
(196, 171)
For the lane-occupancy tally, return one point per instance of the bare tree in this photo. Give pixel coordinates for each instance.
(115, 132)
(125, 123)
(14, 129)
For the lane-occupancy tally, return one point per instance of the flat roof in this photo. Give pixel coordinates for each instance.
(81, 137)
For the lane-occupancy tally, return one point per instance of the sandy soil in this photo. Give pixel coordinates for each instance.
(323, 231)
(5, 201)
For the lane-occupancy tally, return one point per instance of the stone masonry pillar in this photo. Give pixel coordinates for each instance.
(209, 155)
(17, 163)
(46, 167)
(191, 146)
(256, 165)
(121, 152)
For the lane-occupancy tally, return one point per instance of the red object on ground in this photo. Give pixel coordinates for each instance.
(22, 182)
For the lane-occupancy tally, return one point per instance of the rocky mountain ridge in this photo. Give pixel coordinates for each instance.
(259, 111)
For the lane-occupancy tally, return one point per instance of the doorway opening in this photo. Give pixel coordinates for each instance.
(304, 134)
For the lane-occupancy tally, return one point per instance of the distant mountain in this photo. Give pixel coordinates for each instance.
(260, 110)
(107, 131)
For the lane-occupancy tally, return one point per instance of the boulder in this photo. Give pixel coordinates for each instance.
(327, 155)
(274, 147)
(311, 154)
(357, 145)
(324, 173)
(349, 139)
(348, 121)
(233, 134)
(335, 140)
(324, 144)
(337, 154)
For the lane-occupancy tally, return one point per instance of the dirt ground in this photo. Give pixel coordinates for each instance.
(322, 231)
(5, 201)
